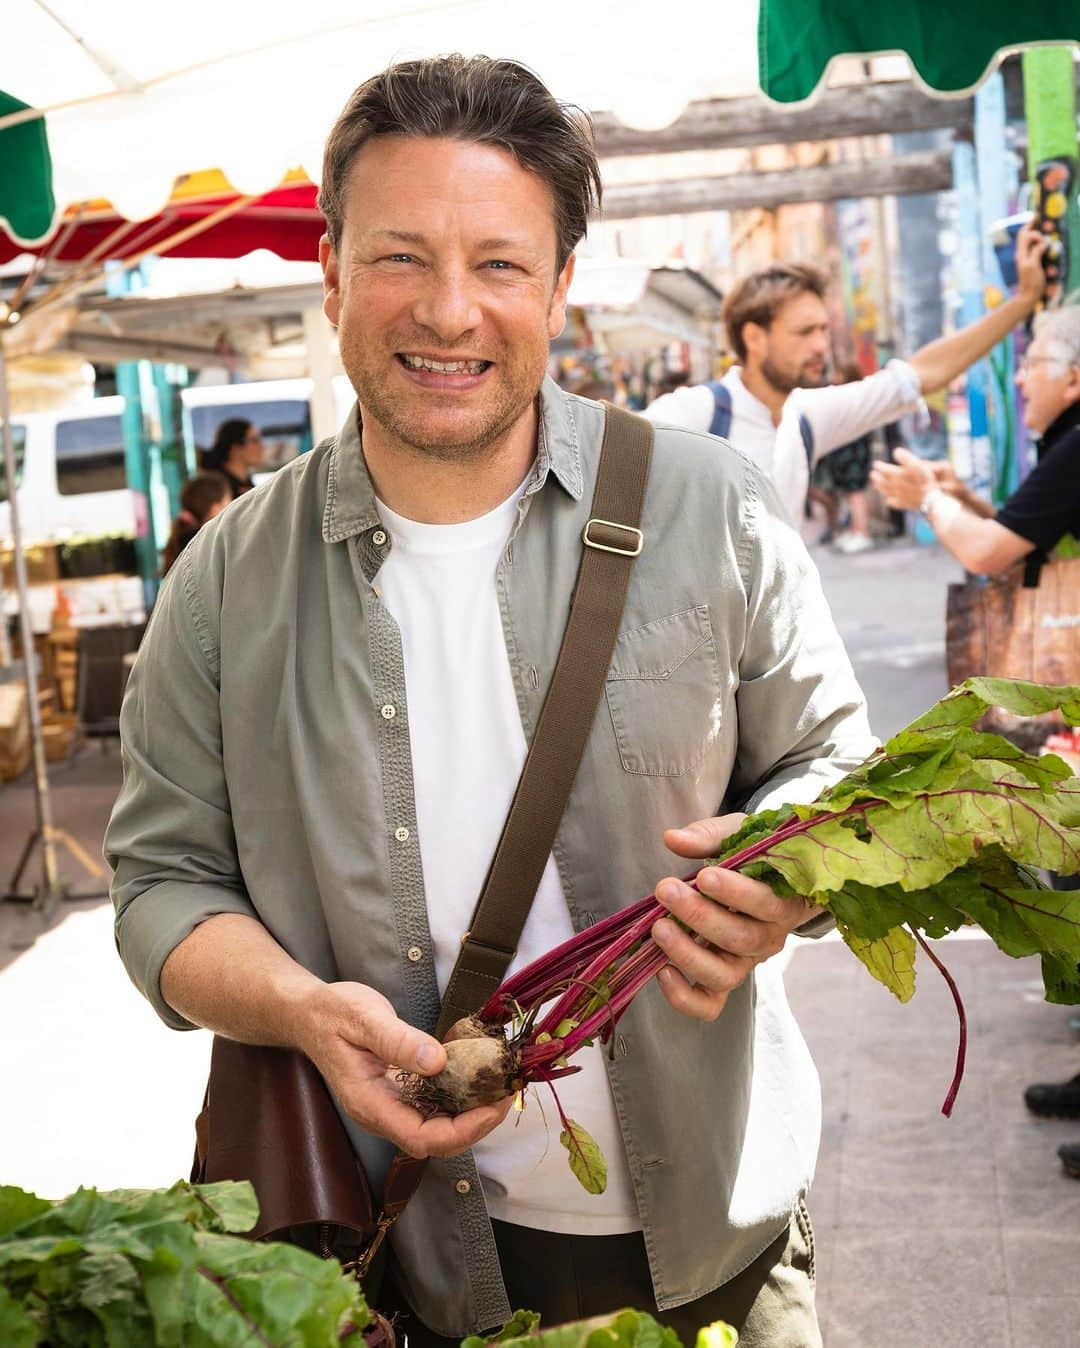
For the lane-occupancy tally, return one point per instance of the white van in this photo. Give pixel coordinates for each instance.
(70, 473)
(70, 464)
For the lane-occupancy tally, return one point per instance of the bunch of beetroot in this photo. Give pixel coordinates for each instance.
(943, 827)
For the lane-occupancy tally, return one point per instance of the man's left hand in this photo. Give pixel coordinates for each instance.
(734, 923)
(905, 483)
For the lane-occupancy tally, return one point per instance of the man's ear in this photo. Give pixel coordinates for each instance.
(557, 308)
(1072, 385)
(754, 338)
(328, 260)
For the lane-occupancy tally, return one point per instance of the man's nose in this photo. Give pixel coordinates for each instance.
(448, 304)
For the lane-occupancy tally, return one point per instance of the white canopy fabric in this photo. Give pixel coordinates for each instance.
(137, 94)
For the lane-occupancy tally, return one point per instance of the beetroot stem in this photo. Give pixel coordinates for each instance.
(961, 1051)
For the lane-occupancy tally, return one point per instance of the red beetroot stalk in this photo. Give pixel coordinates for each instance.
(961, 1050)
(532, 985)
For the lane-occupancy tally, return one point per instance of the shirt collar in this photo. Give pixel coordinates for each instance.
(751, 406)
(350, 497)
(1058, 427)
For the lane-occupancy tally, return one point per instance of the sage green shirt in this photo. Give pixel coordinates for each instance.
(267, 771)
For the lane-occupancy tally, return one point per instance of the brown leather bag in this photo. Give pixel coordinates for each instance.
(1006, 629)
(267, 1116)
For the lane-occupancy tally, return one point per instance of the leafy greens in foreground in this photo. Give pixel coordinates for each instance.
(161, 1269)
(623, 1329)
(942, 827)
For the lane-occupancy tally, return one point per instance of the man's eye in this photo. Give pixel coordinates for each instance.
(401, 257)
(500, 264)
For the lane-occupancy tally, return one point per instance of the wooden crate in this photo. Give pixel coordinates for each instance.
(58, 731)
(42, 564)
(14, 731)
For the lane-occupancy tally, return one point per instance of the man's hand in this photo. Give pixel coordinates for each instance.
(1031, 278)
(737, 923)
(905, 483)
(354, 1037)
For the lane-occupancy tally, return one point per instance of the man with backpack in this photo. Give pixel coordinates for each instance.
(776, 406)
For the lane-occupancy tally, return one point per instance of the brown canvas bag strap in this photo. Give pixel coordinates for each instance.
(612, 538)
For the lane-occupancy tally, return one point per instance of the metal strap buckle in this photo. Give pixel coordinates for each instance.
(496, 949)
(636, 534)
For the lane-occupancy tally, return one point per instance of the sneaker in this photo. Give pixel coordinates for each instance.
(1070, 1158)
(851, 544)
(1055, 1101)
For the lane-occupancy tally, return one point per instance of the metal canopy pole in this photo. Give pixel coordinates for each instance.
(50, 887)
(52, 890)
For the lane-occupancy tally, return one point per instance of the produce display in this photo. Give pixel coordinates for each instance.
(164, 1268)
(941, 828)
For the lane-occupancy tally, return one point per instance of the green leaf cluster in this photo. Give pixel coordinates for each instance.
(160, 1268)
(942, 827)
(623, 1329)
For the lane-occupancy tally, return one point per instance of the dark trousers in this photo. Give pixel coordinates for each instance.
(566, 1277)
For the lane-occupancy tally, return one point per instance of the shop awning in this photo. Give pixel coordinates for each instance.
(122, 102)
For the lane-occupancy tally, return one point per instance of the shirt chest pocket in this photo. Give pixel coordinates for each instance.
(663, 693)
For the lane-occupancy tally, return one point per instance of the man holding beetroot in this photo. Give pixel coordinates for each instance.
(333, 702)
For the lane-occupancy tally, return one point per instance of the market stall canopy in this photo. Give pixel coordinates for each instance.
(204, 217)
(132, 99)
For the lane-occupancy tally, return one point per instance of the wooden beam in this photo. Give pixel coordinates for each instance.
(929, 171)
(734, 123)
(112, 350)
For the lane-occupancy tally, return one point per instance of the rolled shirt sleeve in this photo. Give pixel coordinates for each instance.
(841, 413)
(170, 839)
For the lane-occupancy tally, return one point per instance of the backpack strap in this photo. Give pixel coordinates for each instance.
(807, 433)
(721, 418)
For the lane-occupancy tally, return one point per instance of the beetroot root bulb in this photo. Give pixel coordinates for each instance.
(477, 1072)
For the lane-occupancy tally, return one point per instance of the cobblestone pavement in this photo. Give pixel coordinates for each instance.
(931, 1233)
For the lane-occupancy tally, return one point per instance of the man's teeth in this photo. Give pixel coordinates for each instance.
(446, 366)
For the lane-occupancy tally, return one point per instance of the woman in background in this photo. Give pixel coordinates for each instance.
(203, 496)
(237, 452)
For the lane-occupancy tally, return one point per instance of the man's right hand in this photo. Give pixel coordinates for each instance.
(356, 1040)
(1030, 246)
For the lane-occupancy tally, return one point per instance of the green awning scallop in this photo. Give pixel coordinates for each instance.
(27, 207)
(951, 45)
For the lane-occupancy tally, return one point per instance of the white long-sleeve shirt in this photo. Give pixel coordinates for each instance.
(835, 415)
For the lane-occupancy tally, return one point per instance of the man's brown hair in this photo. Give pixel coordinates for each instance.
(758, 298)
(471, 98)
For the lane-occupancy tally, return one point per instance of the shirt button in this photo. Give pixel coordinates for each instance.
(415, 953)
(401, 834)
(463, 1187)
(379, 537)
(388, 711)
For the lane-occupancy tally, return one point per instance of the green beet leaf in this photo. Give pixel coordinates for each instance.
(940, 828)
(586, 1159)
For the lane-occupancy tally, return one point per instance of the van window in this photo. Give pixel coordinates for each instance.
(18, 444)
(284, 424)
(90, 455)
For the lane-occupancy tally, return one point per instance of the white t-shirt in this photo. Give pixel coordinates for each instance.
(836, 415)
(468, 749)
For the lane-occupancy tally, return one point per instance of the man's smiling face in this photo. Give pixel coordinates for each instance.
(444, 291)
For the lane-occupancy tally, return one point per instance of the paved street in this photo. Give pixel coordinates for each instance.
(961, 1233)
